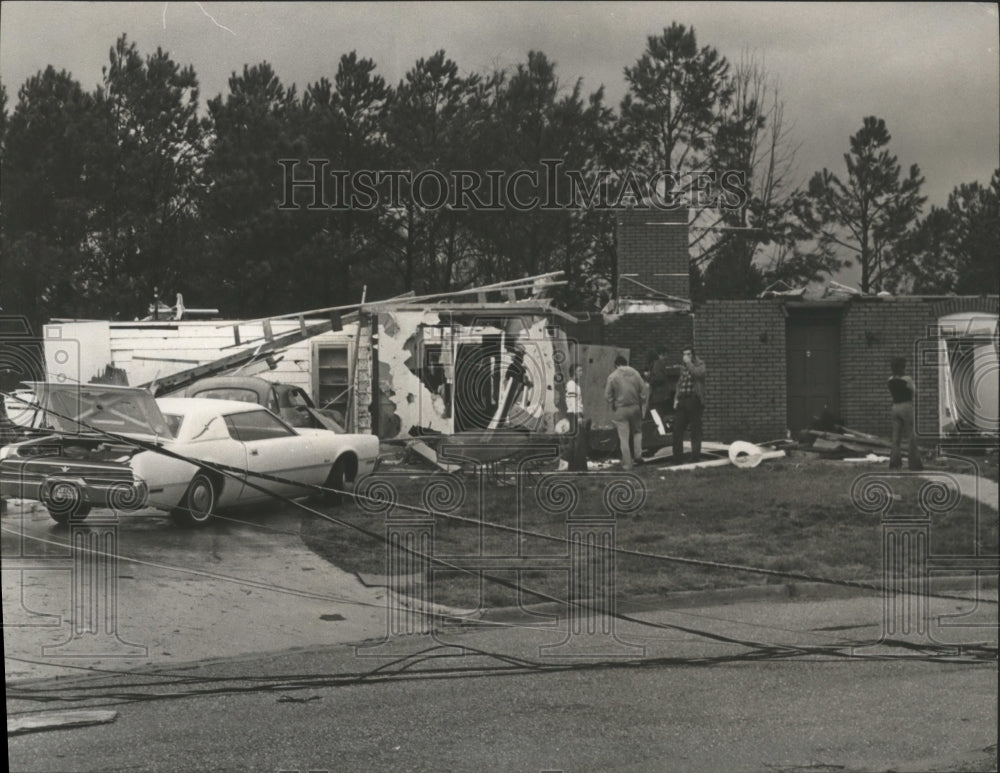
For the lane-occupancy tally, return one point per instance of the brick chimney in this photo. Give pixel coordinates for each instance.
(653, 250)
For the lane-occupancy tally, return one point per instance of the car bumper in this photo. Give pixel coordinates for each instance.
(116, 494)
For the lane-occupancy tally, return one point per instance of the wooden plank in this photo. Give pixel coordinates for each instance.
(844, 439)
(528, 305)
(179, 380)
(527, 281)
(701, 465)
(865, 436)
(428, 453)
(667, 451)
(53, 720)
(352, 399)
(721, 462)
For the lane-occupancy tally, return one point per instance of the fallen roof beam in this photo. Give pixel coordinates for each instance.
(522, 283)
(177, 381)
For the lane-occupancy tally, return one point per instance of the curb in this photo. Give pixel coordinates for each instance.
(783, 592)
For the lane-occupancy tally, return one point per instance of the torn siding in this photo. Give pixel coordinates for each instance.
(446, 373)
(403, 393)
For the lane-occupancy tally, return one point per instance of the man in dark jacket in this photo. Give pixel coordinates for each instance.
(659, 384)
(689, 404)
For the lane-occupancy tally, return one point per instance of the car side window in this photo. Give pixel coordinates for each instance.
(298, 399)
(256, 425)
(272, 400)
(173, 422)
(229, 393)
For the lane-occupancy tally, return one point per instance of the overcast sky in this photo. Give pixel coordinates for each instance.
(931, 70)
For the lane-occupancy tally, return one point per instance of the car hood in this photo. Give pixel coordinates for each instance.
(76, 408)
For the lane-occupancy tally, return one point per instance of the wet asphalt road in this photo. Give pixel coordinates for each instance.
(205, 604)
(245, 584)
(291, 712)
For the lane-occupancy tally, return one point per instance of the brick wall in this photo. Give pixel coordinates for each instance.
(743, 346)
(639, 333)
(872, 333)
(657, 254)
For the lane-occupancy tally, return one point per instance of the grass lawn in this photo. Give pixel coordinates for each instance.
(793, 514)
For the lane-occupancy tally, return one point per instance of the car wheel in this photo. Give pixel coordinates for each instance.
(199, 502)
(64, 501)
(334, 485)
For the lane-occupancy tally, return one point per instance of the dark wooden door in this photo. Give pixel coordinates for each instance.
(813, 355)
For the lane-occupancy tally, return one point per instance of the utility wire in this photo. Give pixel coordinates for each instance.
(239, 473)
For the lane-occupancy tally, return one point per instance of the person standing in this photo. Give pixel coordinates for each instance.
(659, 384)
(627, 394)
(689, 404)
(577, 445)
(902, 389)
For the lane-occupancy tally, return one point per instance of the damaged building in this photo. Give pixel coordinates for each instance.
(498, 357)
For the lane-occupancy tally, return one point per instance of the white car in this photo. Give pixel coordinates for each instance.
(80, 467)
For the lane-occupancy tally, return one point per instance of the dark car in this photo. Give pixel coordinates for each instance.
(70, 465)
(289, 402)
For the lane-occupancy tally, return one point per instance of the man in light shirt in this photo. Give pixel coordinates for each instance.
(627, 393)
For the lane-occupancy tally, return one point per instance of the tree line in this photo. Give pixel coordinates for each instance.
(108, 194)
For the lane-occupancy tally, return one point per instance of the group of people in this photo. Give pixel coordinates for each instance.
(630, 397)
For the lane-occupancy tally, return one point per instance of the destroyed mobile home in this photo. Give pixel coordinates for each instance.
(409, 369)
(462, 367)
(485, 365)
(115, 446)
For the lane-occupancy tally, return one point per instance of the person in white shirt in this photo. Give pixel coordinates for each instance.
(575, 448)
(574, 393)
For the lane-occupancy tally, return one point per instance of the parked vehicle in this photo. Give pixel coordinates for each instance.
(21, 407)
(289, 402)
(79, 467)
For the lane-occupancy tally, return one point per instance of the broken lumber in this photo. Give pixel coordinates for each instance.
(722, 462)
(666, 452)
(834, 442)
(864, 435)
(177, 381)
(428, 453)
(526, 282)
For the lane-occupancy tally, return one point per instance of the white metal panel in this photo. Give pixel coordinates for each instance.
(76, 352)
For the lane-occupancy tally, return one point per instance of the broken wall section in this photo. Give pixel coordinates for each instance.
(442, 372)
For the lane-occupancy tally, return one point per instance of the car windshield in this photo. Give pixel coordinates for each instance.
(86, 407)
(229, 393)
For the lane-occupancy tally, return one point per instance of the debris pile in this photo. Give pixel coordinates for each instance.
(847, 442)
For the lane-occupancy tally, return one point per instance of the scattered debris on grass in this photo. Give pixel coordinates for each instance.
(848, 442)
(870, 458)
